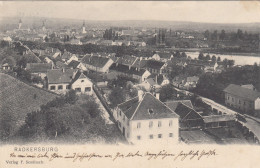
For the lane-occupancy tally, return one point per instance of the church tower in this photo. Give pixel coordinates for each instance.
(20, 24)
(83, 28)
(43, 26)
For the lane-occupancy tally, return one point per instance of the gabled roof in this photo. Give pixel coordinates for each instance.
(38, 67)
(74, 64)
(139, 63)
(164, 55)
(127, 60)
(57, 76)
(242, 92)
(125, 69)
(60, 64)
(173, 104)
(186, 112)
(79, 75)
(154, 64)
(139, 110)
(95, 61)
(66, 55)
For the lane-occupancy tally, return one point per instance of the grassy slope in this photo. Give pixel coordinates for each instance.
(18, 98)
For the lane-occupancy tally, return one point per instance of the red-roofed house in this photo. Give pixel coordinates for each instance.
(145, 119)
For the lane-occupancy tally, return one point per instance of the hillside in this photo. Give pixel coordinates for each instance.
(17, 99)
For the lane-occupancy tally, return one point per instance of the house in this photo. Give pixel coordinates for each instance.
(145, 119)
(207, 66)
(189, 118)
(60, 65)
(65, 56)
(97, 63)
(77, 65)
(73, 57)
(149, 84)
(162, 56)
(216, 121)
(6, 66)
(62, 80)
(155, 67)
(139, 75)
(39, 69)
(184, 82)
(127, 60)
(75, 42)
(242, 98)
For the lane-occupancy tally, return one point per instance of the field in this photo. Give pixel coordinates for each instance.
(17, 98)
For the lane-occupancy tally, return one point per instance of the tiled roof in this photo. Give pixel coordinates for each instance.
(164, 55)
(74, 64)
(139, 63)
(173, 104)
(60, 64)
(95, 61)
(125, 69)
(57, 76)
(66, 55)
(127, 60)
(242, 92)
(186, 112)
(38, 67)
(79, 75)
(154, 64)
(139, 110)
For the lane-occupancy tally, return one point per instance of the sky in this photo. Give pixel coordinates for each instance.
(196, 11)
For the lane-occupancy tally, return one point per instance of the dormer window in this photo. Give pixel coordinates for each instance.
(150, 111)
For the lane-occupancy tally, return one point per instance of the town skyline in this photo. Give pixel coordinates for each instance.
(202, 12)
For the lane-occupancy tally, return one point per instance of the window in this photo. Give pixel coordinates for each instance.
(68, 87)
(120, 113)
(78, 89)
(159, 135)
(60, 87)
(82, 81)
(139, 125)
(170, 123)
(150, 124)
(151, 136)
(123, 118)
(87, 89)
(170, 134)
(139, 137)
(159, 123)
(53, 87)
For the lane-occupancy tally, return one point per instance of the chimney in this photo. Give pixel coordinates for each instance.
(156, 79)
(157, 95)
(140, 95)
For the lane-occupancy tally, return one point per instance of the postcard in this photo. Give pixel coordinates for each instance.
(129, 84)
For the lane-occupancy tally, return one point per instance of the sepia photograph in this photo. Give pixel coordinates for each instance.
(110, 75)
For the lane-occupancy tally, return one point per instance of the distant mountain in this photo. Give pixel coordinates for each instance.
(58, 23)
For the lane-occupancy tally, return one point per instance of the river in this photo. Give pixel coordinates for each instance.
(239, 59)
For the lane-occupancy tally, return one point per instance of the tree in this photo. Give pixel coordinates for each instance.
(215, 35)
(116, 96)
(207, 57)
(207, 34)
(167, 92)
(213, 58)
(219, 59)
(222, 35)
(201, 56)
(184, 55)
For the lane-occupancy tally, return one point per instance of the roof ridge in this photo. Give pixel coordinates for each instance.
(138, 106)
(191, 108)
(127, 100)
